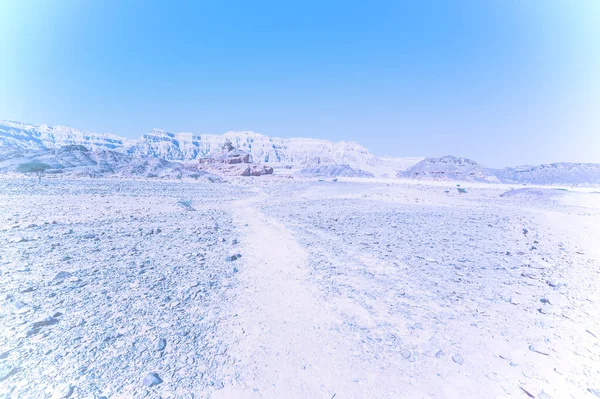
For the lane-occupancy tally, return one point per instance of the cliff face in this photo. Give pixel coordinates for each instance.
(187, 146)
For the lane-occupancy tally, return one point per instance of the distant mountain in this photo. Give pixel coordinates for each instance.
(145, 156)
(555, 173)
(300, 152)
(333, 171)
(449, 168)
(463, 169)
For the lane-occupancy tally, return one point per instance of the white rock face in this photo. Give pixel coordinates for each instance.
(187, 146)
(25, 136)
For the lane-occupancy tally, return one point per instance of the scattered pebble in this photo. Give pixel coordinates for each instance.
(63, 391)
(151, 379)
(62, 275)
(161, 344)
(540, 348)
(6, 371)
(594, 391)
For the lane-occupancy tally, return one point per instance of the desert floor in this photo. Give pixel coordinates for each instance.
(277, 288)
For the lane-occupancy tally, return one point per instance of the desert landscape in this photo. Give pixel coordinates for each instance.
(299, 200)
(276, 287)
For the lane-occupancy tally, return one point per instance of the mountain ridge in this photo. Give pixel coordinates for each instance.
(186, 146)
(463, 169)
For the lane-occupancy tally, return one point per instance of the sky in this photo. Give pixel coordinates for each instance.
(504, 82)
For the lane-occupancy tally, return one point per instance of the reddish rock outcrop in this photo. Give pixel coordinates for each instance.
(233, 162)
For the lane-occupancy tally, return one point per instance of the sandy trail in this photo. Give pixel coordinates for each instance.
(281, 326)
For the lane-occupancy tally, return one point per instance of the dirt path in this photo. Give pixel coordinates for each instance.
(282, 332)
(319, 310)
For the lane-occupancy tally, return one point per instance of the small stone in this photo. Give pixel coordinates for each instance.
(555, 284)
(6, 371)
(594, 391)
(405, 354)
(48, 321)
(152, 379)
(527, 392)
(63, 391)
(231, 258)
(540, 348)
(219, 385)
(62, 275)
(515, 300)
(457, 359)
(235, 270)
(26, 290)
(439, 354)
(161, 344)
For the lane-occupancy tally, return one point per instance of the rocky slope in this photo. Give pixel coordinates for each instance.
(333, 171)
(79, 161)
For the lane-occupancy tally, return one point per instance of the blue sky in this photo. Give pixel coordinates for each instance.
(504, 82)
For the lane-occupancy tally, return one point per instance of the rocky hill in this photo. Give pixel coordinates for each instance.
(463, 169)
(555, 173)
(449, 168)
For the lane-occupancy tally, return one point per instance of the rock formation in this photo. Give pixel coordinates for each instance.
(232, 161)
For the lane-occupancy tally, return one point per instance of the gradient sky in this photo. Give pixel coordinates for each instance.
(504, 82)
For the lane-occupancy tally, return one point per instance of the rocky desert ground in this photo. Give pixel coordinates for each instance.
(289, 288)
